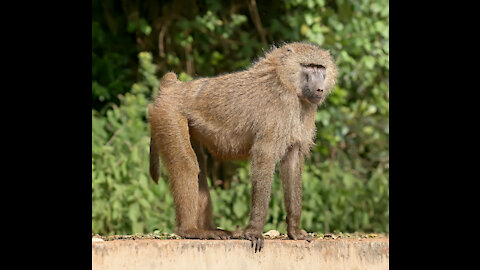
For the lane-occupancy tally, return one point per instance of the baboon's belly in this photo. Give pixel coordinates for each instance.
(222, 144)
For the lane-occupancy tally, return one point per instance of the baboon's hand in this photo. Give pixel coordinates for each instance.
(256, 238)
(298, 235)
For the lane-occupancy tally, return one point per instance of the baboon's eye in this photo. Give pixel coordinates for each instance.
(313, 65)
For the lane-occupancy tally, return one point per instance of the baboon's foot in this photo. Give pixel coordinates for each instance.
(235, 234)
(204, 234)
(298, 235)
(231, 234)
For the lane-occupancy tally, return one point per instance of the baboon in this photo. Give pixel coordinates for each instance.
(266, 113)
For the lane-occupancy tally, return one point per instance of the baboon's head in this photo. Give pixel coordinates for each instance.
(307, 69)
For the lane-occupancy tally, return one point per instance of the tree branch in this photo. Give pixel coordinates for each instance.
(252, 7)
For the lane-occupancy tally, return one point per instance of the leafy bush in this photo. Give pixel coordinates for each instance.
(346, 178)
(124, 199)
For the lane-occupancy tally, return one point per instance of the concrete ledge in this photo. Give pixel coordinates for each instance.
(238, 254)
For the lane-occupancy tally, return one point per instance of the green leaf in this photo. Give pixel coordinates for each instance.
(239, 208)
(131, 26)
(144, 27)
(369, 61)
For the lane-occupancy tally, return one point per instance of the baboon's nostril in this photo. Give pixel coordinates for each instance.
(320, 90)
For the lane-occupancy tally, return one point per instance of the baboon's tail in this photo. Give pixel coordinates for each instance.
(168, 79)
(154, 156)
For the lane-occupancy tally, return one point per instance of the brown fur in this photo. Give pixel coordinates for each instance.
(259, 113)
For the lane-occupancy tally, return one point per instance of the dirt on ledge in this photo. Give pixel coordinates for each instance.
(268, 235)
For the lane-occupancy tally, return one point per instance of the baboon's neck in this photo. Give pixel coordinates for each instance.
(266, 75)
(308, 111)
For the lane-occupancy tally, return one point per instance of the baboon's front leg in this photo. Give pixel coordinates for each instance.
(291, 174)
(263, 166)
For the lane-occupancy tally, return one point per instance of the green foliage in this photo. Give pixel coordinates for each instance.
(111, 58)
(345, 181)
(124, 199)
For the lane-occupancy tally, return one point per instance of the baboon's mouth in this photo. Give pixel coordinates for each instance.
(315, 100)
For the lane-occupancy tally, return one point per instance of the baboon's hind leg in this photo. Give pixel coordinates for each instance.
(205, 217)
(170, 132)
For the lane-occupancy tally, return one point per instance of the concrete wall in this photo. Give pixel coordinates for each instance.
(238, 254)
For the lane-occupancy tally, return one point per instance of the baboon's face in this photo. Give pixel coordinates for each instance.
(309, 70)
(312, 81)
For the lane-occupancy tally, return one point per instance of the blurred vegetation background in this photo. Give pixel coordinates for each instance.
(134, 43)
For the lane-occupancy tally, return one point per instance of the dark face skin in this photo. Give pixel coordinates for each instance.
(313, 81)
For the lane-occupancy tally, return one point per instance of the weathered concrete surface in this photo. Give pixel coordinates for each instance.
(238, 254)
